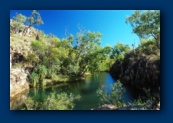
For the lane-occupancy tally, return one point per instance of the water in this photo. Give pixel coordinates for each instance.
(86, 89)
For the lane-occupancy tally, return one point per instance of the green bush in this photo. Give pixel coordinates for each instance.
(147, 47)
(114, 97)
(38, 76)
(50, 73)
(61, 101)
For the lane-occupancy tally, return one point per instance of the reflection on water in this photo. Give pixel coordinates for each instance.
(86, 89)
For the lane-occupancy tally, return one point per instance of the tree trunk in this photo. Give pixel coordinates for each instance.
(157, 41)
(25, 30)
(157, 44)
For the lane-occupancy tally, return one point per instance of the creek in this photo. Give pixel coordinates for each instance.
(86, 89)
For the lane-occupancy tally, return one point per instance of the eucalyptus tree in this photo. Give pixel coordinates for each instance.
(87, 43)
(146, 24)
(34, 19)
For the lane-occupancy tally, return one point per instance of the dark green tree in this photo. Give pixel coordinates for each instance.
(119, 50)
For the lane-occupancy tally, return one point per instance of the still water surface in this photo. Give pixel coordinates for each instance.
(86, 89)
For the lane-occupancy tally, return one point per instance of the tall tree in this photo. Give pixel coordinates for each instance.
(87, 44)
(146, 24)
(34, 19)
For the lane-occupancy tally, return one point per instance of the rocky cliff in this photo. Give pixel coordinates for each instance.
(140, 70)
(18, 82)
(19, 49)
(18, 76)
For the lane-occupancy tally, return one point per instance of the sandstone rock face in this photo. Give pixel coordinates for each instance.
(18, 82)
(139, 71)
(18, 101)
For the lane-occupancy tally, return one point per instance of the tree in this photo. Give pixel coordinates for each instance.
(146, 24)
(39, 48)
(119, 50)
(34, 19)
(37, 77)
(87, 44)
(19, 20)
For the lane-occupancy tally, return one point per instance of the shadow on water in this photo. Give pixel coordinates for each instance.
(86, 88)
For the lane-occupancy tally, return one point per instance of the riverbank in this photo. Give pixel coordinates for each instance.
(131, 107)
(148, 106)
(62, 79)
(85, 88)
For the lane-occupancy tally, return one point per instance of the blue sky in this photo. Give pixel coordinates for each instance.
(111, 23)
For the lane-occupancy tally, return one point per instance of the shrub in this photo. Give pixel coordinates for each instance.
(114, 97)
(61, 101)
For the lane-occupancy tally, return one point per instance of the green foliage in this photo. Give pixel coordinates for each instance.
(41, 71)
(106, 64)
(42, 35)
(33, 79)
(20, 18)
(114, 97)
(39, 48)
(54, 41)
(91, 56)
(32, 58)
(119, 50)
(147, 47)
(38, 76)
(50, 73)
(61, 101)
(146, 24)
(34, 19)
(19, 21)
(61, 57)
(72, 69)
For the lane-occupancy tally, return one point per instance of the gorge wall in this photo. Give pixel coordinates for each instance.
(18, 82)
(139, 70)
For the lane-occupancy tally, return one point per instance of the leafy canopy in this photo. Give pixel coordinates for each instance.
(34, 19)
(146, 24)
